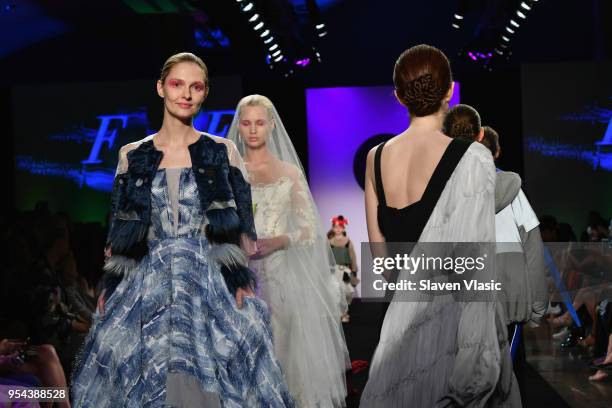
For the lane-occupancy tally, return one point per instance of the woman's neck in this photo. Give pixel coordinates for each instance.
(427, 123)
(175, 132)
(258, 156)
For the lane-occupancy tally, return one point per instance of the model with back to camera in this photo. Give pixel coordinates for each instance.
(424, 187)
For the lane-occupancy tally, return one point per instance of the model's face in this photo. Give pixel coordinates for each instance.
(338, 230)
(184, 90)
(255, 126)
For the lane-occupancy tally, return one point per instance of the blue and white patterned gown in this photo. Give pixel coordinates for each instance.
(172, 334)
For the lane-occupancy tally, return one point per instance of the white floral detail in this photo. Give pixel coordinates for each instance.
(283, 209)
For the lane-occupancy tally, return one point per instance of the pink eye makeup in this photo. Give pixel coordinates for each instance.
(198, 86)
(175, 83)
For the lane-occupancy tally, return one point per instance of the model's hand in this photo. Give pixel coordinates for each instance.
(248, 245)
(241, 293)
(266, 246)
(101, 302)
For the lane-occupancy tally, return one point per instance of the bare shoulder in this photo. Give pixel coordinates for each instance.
(372, 153)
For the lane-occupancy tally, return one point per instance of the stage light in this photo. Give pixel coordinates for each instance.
(265, 33)
(499, 51)
(455, 26)
(506, 39)
(508, 29)
(323, 34)
(525, 6)
(458, 17)
(503, 45)
(520, 14)
(280, 57)
(268, 40)
(248, 7)
(276, 53)
(514, 23)
(273, 47)
(254, 18)
(320, 26)
(258, 26)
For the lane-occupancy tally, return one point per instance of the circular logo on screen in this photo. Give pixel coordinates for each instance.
(359, 161)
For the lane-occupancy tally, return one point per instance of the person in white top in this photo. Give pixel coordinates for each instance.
(517, 223)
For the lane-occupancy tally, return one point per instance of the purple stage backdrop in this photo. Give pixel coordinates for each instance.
(343, 124)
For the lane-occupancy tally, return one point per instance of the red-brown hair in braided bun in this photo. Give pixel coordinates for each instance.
(422, 79)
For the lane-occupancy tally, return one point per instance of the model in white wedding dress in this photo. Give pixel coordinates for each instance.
(294, 264)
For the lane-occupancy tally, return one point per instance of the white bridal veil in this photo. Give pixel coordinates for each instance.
(312, 296)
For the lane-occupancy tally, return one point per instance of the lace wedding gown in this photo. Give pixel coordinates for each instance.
(308, 337)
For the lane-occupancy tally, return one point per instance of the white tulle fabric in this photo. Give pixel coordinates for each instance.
(298, 282)
(443, 352)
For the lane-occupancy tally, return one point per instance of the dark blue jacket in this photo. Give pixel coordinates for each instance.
(225, 199)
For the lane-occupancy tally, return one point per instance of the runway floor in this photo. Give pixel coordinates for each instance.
(553, 378)
(567, 372)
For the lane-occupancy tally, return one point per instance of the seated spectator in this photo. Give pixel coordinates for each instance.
(31, 366)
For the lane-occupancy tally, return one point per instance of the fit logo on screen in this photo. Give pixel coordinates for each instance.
(104, 136)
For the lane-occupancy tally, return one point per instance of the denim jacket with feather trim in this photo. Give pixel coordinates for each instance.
(224, 193)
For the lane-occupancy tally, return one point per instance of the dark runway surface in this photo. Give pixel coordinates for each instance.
(552, 378)
(566, 371)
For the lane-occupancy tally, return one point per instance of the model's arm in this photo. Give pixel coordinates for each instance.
(242, 196)
(536, 274)
(375, 236)
(371, 201)
(302, 212)
(112, 278)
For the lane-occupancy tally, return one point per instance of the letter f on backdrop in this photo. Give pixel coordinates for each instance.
(102, 137)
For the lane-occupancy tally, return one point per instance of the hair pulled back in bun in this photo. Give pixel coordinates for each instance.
(462, 121)
(422, 78)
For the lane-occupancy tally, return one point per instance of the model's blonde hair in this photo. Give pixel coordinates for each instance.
(257, 100)
(183, 57)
